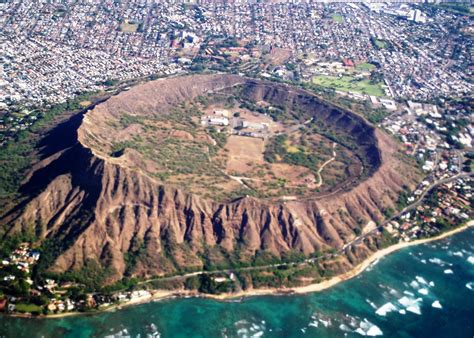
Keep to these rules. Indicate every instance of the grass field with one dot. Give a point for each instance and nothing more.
(338, 18)
(380, 43)
(365, 66)
(349, 84)
(27, 308)
(128, 27)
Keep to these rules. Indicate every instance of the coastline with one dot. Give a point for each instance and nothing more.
(358, 269)
(158, 295)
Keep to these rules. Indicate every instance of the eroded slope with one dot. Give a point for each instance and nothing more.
(108, 209)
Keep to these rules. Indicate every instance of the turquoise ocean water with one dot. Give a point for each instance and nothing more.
(422, 291)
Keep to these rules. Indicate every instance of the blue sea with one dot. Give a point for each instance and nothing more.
(421, 291)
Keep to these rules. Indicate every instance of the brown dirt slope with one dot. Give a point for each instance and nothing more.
(102, 208)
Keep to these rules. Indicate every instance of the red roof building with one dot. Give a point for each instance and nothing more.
(348, 63)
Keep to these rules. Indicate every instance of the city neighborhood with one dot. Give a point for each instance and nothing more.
(407, 69)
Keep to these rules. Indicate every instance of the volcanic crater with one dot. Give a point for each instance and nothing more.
(226, 137)
(182, 171)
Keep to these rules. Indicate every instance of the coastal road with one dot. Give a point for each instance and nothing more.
(409, 207)
(425, 192)
(356, 240)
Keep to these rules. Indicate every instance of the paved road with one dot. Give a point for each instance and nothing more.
(412, 206)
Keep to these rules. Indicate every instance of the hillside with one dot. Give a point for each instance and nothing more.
(99, 205)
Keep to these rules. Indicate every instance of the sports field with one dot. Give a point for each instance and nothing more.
(349, 84)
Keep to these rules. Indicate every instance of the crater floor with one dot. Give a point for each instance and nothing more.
(228, 137)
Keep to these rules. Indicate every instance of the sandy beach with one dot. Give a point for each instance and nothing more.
(376, 256)
(156, 295)
(162, 294)
(345, 276)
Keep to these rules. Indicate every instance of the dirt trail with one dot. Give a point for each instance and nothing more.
(320, 177)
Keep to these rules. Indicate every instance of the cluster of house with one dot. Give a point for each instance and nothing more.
(38, 71)
(53, 50)
(449, 205)
(411, 55)
(23, 258)
(397, 9)
(59, 305)
(432, 136)
(98, 300)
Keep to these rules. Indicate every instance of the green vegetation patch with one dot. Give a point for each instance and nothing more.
(379, 44)
(280, 149)
(28, 308)
(350, 84)
(174, 155)
(17, 155)
(338, 18)
(365, 66)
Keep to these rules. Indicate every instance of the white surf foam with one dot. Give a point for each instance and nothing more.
(370, 267)
(386, 308)
(423, 291)
(470, 259)
(374, 331)
(371, 304)
(414, 309)
(326, 323)
(248, 329)
(436, 304)
(421, 280)
(367, 328)
(448, 271)
(243, 332)
(121, 334)
(411, 304)
(437, 261)
(393, 292)
(345, 328)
